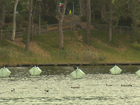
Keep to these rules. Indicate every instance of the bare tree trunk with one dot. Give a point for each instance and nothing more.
(2, 12)
(61, 16)
(82, 7)
(110, 22)
(60, 34)
(32, 22)
(88, 22)
(29, 26)
(14, 21)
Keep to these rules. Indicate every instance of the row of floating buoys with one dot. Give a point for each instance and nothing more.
(117, 70)
(34, 71)
(76, 74)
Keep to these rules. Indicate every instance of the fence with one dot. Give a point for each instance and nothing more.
(116, 29)
(65, 26)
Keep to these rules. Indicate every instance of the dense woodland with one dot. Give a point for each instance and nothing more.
(112, 12)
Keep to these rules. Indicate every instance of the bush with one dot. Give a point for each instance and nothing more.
(25, 16)
(50, 19)
(36, 19)
(136, 45)
(125, 21)
(19, 19)
(83, 18)
(8, 18)
(24, 24)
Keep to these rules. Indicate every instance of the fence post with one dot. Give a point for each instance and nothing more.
(1, 33)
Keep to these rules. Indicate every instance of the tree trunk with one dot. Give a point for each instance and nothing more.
(88, 22)
(29, 26)
(2, 12)
(110, 22)
(32, 22)
(14, 21)
(61, 16)
(60, 34)
(82, 7)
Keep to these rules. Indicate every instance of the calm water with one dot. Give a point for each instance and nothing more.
(56, 87)
(57, 70)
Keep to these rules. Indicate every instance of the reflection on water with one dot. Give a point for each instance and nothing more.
(54, 87)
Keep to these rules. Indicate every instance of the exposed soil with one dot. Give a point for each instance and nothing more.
(33, 47)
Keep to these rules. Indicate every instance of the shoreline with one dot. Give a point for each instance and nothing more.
(70, 64)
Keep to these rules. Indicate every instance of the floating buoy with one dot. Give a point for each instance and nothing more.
(78, 73)
(35, 71)
(5, 72)
(115, 70)
(138, 73)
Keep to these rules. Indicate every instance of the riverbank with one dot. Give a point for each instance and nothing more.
(44, 49)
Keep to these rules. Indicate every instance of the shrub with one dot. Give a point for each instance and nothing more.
(24, 24)
(83, 18)
(8, 18)
(19, 19)
(136, 45)
(50, 19)
(36, 19)
(126, 21)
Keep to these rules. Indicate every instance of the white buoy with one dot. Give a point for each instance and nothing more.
(115, 70)
(77, 74)
(138, 73)
(5, 72)
(35, 71)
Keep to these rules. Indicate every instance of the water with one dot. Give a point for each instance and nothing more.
(56, 87)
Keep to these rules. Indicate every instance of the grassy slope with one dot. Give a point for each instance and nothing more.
(75, 49)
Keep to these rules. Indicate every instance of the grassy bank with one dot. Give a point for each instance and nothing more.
(121, 49)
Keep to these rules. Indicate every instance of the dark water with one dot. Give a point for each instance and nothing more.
(57, 70)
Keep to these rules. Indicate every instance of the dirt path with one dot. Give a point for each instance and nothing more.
(33, 47)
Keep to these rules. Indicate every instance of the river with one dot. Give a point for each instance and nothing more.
(56, 87)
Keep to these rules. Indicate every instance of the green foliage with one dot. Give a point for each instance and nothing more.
(136, 45)
(8, 18)
(24, 24)
(125, 21)
(83, 18)
(25, 16)
(19, 19)
(36, 19)
(50, 19)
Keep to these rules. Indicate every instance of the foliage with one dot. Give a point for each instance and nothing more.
(8, 18)
(24, 24)
(83, 18)
(19, 19)
(125, 21)
(136, 45)
(50, 19)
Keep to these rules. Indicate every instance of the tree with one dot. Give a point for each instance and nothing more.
(29, 27)
(82, 4)
(2, 12)
(110, 12)
(134, 13)
(14, 20)
(88, 10)
(61, 16)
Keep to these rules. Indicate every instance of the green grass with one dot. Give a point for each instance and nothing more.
(121, 49)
